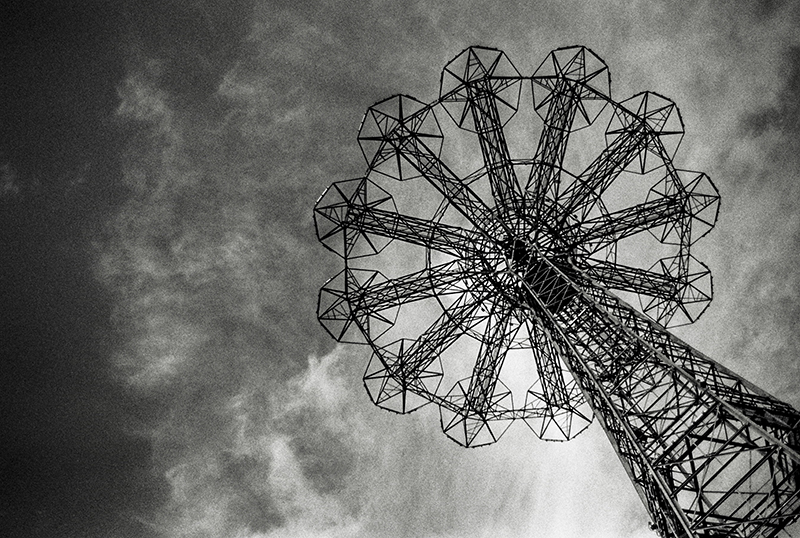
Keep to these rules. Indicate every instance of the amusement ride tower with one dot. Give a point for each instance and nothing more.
(500, 288)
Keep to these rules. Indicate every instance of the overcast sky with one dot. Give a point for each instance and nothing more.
(164, 374)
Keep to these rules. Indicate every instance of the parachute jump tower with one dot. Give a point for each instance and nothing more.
(500, 288)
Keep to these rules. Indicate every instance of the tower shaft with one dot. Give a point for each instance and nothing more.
(709, 453)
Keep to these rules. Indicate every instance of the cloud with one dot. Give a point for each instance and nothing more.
(209, 263)
(280, 464)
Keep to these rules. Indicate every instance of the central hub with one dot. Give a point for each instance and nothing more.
(535, 276)
(523, 262)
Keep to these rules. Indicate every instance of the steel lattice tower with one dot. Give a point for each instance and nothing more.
(499, 266)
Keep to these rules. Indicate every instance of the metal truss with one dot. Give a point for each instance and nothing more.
(526, 266)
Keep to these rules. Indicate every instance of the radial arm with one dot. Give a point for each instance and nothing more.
(502, 179)
(403, 374)
(548, 364)
(494, 347)
(426, 283)
(543, 182)
(580, 196)
(411, 148)
(629, 221)
(370, 221)
(442, 333)
(633, 279)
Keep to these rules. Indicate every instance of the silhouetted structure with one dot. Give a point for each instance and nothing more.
(518, 257)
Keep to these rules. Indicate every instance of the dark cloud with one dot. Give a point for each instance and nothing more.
(782, 116)
(66, 462)
(245, 475)
(326, 459)
(210, 261)
(193, 44)
(767, 8)
(68, 465)
(61, 64)
(759, 233)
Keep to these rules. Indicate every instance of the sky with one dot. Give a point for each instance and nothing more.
(164, 374)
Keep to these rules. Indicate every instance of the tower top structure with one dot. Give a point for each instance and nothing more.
(501, 257)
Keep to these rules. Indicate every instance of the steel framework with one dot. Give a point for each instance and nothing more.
(499, 265)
